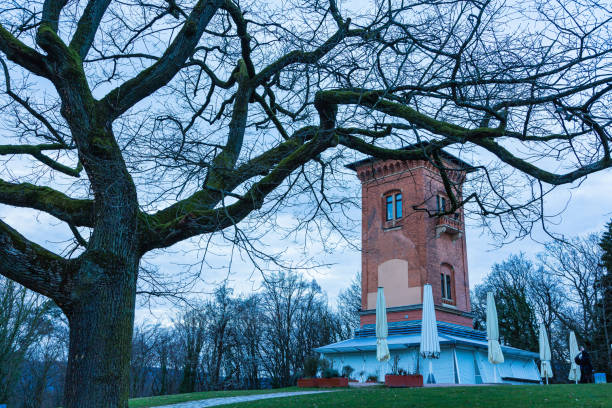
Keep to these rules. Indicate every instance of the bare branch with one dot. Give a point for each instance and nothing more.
(36, 151)
(163, 70)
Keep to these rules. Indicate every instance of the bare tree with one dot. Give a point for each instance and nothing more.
(576, 265)
(220, 314)
(349, 306)
(41, 382)
(249, 331)
(297, 319)
(169, 361)
(183, 118)
(191, 329)
(143, 360)
(22, 325)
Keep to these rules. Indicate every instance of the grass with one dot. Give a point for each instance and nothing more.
(195, 396)
(511, 396)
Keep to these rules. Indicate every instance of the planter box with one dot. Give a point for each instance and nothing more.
(323, 382)
(307, 382)
(332, 382)
(404, 380)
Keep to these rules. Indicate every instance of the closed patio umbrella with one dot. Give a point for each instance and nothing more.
(430, 344)
(545, 368)
(382, 349)
(574, 373)
(495, 352)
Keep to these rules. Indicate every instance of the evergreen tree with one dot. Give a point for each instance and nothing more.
(604, 334)
(509, 283)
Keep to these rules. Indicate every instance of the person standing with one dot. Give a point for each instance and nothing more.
(586, 369)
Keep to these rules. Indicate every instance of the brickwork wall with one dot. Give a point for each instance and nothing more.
(416, 315)
(412, 238)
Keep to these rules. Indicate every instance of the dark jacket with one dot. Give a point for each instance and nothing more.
(584, 361)
(586, 369)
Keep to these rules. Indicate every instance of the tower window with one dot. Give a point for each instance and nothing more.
(398, 205)
(393, 206)
(446, 283)
(441, 201)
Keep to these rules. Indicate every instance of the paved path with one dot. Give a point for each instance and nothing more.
(213, 402)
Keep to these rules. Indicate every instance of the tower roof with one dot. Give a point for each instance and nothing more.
(422, 145)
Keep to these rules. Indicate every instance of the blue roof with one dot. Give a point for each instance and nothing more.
(403, 335)
(414, 327)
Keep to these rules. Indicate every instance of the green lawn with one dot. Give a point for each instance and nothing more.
(512, 396)
(176, 398)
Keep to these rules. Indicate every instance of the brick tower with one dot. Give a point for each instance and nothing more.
(404, 248)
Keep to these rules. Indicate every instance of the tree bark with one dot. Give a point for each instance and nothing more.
(103, 293)
(101, 328)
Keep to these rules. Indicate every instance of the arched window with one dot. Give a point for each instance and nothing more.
(393, 206)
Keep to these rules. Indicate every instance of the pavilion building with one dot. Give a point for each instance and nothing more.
(403, 248)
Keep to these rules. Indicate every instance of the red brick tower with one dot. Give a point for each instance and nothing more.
(403, 248)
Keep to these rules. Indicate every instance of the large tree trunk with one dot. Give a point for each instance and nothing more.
(101, 328)
(101, 310)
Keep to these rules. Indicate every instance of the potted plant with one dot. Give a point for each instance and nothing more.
(331, 379)
(372, 378)
(347, 370)
(311, 366)
(402, 378)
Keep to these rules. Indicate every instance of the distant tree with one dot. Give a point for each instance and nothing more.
(42, 378)
(509, 281)
(143, 361)
(548, 298)
(23, 324)
(349, 306)
(169, 359)
(297, 319)
(220, 315)
(248, 330)
(604, 304)
(191, 331)
(576, 265)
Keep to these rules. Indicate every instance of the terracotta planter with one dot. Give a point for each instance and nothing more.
(404, 380)
(307, 382)
(332, 382)
(322, 382)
